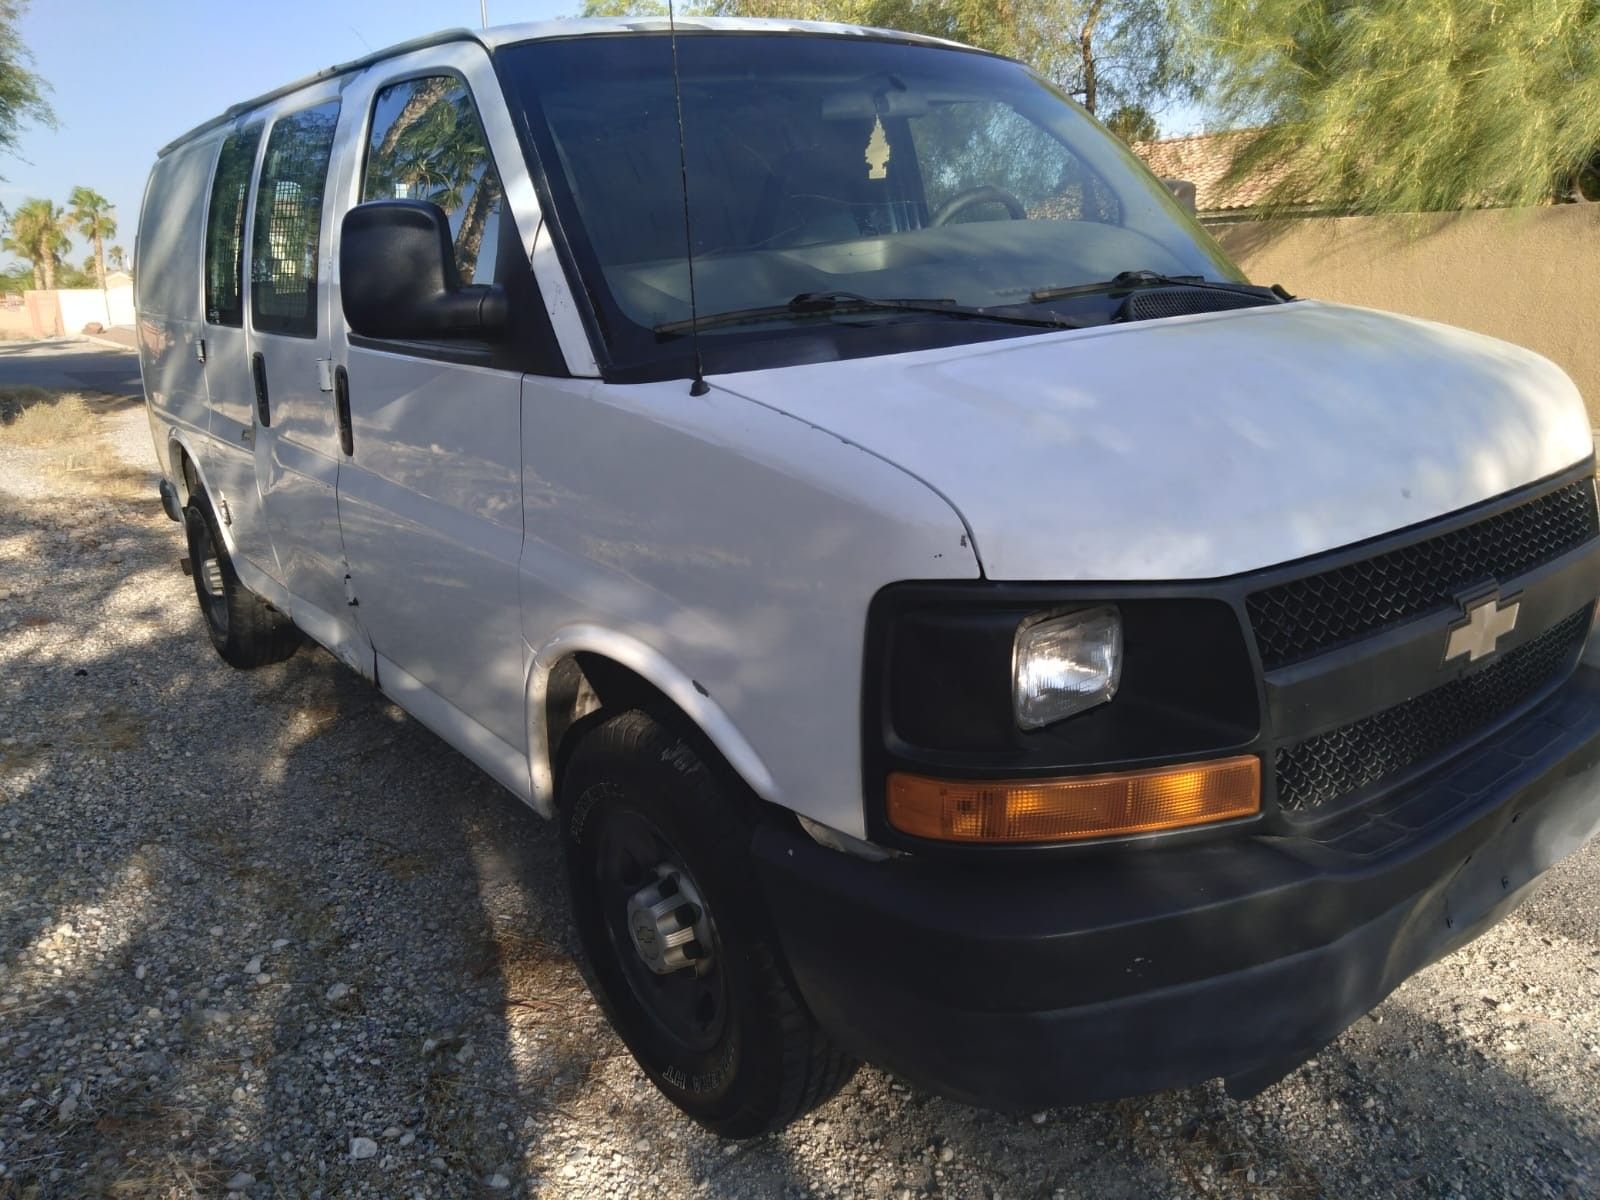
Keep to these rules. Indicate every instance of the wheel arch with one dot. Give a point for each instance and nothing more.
(183, 465)
(186, 470)
(187, 473)
(589, 669)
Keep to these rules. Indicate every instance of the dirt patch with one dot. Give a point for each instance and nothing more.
(114, 729)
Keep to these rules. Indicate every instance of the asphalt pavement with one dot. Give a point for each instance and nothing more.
(71, 364)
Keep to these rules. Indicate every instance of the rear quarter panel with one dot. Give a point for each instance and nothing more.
(167, 297)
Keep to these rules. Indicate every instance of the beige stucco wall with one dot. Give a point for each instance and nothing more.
(16, 322)
(1530, 276)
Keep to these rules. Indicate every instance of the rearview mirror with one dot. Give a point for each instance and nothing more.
(863, 105)
(398, 278)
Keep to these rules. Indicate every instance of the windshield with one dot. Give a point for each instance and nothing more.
(832, 165)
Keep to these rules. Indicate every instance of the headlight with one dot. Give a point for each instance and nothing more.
(1065, 663)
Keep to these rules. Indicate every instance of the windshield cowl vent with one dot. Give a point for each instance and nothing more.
(1151, 304)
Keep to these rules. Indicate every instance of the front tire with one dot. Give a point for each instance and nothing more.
(679, 948)
(246, 630)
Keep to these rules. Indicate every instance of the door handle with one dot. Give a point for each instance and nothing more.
(258, 372)
(341, 405)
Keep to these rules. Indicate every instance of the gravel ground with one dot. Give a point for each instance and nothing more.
(262, 933)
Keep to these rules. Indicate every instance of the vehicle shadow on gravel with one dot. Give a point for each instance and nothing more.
(251, 919)
(263, 924)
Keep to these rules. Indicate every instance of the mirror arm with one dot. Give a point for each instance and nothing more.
(494, 309)
(473, 311)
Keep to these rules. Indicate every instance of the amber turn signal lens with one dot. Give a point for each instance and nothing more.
(1087, 806)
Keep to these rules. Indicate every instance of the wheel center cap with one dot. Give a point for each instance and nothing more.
(669, 925)
(212, 574)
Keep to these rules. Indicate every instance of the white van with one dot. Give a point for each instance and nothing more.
(957, 622)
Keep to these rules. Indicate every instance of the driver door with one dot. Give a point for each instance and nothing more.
(430, 493)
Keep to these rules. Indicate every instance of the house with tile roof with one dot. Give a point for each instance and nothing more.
(1205, 160)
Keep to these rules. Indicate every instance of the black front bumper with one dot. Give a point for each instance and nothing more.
(1027, 986)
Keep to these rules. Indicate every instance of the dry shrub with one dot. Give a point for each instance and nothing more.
(37, 417)
(45, 420)
(65, 427)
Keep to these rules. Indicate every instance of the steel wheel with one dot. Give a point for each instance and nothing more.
(678, 945)
(661, 931)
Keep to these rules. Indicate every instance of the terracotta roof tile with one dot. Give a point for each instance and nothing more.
(1204, 160)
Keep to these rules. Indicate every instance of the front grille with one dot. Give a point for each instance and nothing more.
(1330, 766)
(1305, 617)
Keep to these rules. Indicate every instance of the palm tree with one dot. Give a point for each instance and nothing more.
(117, 258)
(15, 242)
(440, 155)
(38, 233)
(91, 213)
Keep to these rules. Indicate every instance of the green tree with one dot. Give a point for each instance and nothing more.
(69, 276)
(90, 213)
(1133, 123)
(1107, 52)
(37, 232)
(1411, 105)
(117, 258)
(15, 281)
(22, 93)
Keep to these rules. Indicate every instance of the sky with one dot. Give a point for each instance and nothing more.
(128, 76)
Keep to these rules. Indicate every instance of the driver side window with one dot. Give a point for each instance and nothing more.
(428, 144)
(966, 145)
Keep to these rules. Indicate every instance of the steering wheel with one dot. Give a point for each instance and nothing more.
(984, 193)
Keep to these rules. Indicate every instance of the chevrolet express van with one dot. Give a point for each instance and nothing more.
(956, 621)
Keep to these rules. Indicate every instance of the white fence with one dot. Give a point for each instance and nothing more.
(83, 306)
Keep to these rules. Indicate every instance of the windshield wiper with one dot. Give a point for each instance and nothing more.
(815, 304)
(1128, 280)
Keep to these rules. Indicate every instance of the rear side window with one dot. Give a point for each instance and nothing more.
(428, 144)
(288, 222)
(230, 188)
(167, 278)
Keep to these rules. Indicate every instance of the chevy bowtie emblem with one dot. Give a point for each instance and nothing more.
(1480, 631)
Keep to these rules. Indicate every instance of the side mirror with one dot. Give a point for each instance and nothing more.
(398, 279)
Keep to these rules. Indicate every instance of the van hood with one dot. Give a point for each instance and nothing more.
(1198, 447)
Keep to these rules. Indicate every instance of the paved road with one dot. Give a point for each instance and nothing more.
(70, 364)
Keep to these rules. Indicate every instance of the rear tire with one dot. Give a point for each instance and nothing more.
(726, 1037)
(246, 630)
